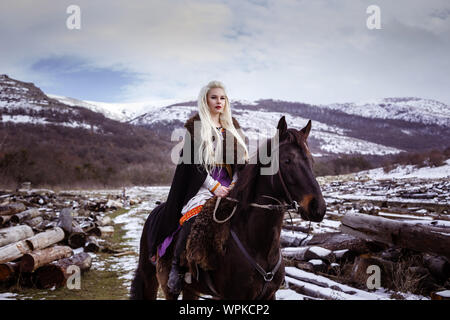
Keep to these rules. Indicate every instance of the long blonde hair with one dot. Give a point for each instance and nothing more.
(207, 156)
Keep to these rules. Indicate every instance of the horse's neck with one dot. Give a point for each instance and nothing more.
(261, 229)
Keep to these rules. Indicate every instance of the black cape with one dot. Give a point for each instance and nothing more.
(187, 180)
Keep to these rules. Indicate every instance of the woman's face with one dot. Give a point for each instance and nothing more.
(216, 100)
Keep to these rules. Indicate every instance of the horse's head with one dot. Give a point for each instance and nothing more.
(295, 166)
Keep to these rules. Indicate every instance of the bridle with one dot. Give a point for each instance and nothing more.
(292, 205)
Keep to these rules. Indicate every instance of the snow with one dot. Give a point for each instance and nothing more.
(445, 293)
(409, 109)
(44, 121)
(8, 296)
(410, 171)
(118, 111)
(321, 252)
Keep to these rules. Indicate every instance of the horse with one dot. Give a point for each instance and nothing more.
(252, 267)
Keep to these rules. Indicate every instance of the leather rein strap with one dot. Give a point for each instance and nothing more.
(268, 276)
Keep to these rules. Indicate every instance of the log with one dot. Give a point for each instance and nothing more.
(438, 266)
(12, 208)
(35, 222)
(315, 252)
(441, 295)
(296, 228)
(14, 251)
(309, 253)
(105, 221)
(8, 271)
(107, 231)
(45, 239)
(77, 238)
(14, 234)
(57, 273)
(4, 219)
(294, 253)
(92, 245)
(33, 260)
(339, 241)
(288, 240)
(25, 215)
(65, 220)
(418, 237)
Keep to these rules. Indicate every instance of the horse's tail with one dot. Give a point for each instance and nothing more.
(145, 284)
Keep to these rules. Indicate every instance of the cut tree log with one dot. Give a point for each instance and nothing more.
(92, 245)
(4, 219)
(339, 241)
(309, 253)
(57, 273)
(103, 232)
(8, 271)
(45, 239)
(414, 236)
(33, 260)
(35, 222)
(14, 251)
(77, 238)
(105, 221)
(14, 234)
(12, 208)
(25, 215)
(65, 220)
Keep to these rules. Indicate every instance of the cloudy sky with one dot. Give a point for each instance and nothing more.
(314, 51)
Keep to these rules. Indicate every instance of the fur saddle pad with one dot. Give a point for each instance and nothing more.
(207, 240)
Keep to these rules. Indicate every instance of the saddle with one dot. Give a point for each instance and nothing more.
(208, 239)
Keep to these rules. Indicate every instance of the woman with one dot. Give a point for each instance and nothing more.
(212, 152)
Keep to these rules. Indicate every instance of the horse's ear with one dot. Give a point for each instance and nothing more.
(282, 127)
(306, 130)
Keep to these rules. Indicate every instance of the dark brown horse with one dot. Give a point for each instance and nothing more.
(256, 224)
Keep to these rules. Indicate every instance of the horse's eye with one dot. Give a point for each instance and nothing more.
(287, 161)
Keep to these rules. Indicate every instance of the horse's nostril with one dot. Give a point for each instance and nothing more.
(313, 205)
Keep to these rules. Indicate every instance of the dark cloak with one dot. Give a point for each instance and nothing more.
(163, 221)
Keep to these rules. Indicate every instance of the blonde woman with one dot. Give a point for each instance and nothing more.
(213, 151)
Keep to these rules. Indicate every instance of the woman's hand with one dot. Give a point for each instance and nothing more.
(222, 191)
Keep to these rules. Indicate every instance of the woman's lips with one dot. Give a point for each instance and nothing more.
(218, 107)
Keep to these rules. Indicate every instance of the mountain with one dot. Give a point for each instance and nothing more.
(334, 131)
(123, 112)
(51, 143)
(131, 142)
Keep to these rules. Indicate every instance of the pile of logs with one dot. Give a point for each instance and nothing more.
(44, 240)
(411, 256)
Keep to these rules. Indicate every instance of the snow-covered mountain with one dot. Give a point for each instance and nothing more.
(410, 109)
(123, 112)
(383, 127)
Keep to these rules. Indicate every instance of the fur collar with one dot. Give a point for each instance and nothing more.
(189, 125)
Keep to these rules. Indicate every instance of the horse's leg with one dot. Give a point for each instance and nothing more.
(189, 294)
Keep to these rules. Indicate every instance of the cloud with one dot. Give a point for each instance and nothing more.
(313, 51)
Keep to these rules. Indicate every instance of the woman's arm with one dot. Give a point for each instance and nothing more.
(233, 181)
